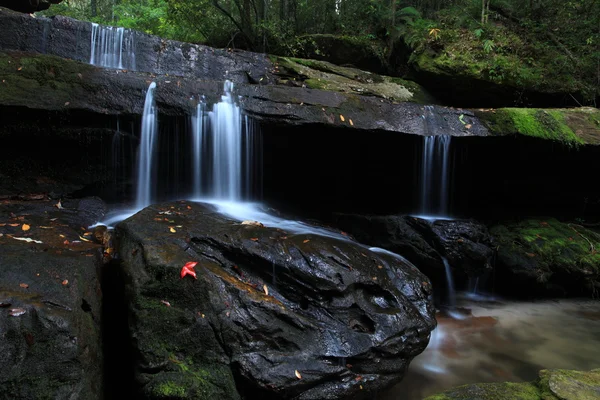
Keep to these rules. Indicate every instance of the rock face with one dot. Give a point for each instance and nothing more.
(543, 256)
(554, 384)
(50, 342)
(466, 244)
(273, 314)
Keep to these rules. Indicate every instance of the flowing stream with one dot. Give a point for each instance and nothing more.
(503, 341)
(112, 47)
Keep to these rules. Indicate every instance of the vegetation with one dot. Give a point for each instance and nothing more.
(543, 45)
(570, 126)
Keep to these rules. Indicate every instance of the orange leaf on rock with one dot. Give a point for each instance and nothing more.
(25, 227)
(172, 230)
(24, 285)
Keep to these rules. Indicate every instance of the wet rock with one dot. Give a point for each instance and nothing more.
(466, 244)
(546, 257)
(397, 233)
(50, 295)
(272, 314)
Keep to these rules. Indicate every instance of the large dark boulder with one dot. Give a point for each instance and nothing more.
(272, 314)
(50, 339)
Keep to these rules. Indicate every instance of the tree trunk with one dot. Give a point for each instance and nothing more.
(94, 7)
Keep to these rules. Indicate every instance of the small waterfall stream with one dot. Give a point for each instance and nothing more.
(146, 150)
(435, 176)
(112, 47)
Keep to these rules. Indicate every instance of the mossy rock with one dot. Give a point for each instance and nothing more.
(575, 126)
(491, 391)
(570, 385)
(343, 50)
(543, 256)
(323, 75)
(554, 384)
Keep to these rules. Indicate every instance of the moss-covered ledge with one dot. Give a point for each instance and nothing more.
(572, 126)
(323, 75)
(553, 384)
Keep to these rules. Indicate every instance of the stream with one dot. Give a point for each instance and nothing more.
(503, 341)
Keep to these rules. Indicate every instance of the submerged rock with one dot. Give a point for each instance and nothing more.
(554, 384)
(542, 256)
(50, 342)
(271, 314)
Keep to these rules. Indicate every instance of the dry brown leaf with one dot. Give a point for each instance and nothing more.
(20, 68)
(298, 374)
(351, 123)
(306, 241)
(172, 230)
(13, 224)
(254, 239)
(25, 227)
(342, 118)
(65, 282)
(380, 266)
(58, 205)
(24, 285)
(266, 289)
(468, 126)
(166, 303)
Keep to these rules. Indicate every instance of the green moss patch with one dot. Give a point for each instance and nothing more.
(323, 75)
(491, 391)
(550, 247)
(570, 126)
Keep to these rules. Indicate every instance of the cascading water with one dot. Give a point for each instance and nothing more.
(435, 175)
(450, 284)
(224, 150)
(112, 47)
(198, 123)
(146, 150)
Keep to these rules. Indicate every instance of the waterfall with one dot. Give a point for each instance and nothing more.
(198, 123)
(146, 150)
(112, 47)
(435, 175)
(224, 150)
(450, 284)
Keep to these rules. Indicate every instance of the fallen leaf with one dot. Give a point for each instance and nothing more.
(66, 242)
(20, 68)
(65, 282)
(84, 239)
(252, 223)
(227, 313)
(351, 123)
(298, 374)
(26, 227)
(188, 269)
(530, 255)
(254, 239)
(67, 103)
(306, 241)
(17, 312)
(380, 267)
(468, 126)
(166, 303)
(172, 230)
(374, 278)
(13, 224)
(342, 118)
(59, 206)
(24, 285)
(189, 208)
(266, 289)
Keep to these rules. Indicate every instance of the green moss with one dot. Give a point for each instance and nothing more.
(569, 126)
(169, 390)
(552, 245)
(491, 391)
